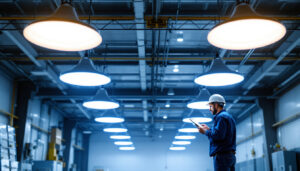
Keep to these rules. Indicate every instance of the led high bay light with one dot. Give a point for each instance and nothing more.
(63, 31)
(246, 30)
(219, 75)
(197, 116)
(110, 116)
(84, 74)
(201, 101)
(101, 101)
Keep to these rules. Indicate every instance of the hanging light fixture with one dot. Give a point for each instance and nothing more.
(185, 137)
(126, 148)
(168, 104)
(84, 74)
(110, 116)
(123, 143)
(201, 101)
(181, 142)
(246, 30)
(120, 137)
(115, 130)
(171, 92)
(188, 128)
(177, 148)
(180, 36)
(63, 31)
(101, 101)
(197, 116)
(219, 75)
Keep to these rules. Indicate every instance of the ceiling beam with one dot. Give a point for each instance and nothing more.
(285, 48)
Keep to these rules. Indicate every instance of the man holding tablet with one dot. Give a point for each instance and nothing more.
(222, 135)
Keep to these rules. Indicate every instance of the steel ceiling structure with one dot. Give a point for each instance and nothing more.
(139, 51)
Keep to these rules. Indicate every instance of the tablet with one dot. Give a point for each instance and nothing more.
(195, 123)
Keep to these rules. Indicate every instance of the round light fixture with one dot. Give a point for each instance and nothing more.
(84, 74)
(63, 31)
(177, 148)
(123, 143)
(201, 101)
(185, 137)
(219, 75)
(246, 30)
(109, 119)
(115, 130)
(109, 116)
(181, 142)
(191, 130)
(126, 148)
(197, 119)
(101, 101)
(120, 137)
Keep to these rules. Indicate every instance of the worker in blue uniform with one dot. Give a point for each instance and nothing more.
(222, 135)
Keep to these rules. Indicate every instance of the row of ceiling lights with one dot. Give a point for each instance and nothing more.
(64, 31)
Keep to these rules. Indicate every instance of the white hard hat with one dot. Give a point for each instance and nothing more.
(216, 98)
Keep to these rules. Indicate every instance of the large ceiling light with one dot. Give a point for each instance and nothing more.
(101, 101)
(185, 137)
(115, 130)
(246, 30)
(126, 148)
(63, 31)
(181, 142)
(177, 148)
(109, 116)
(84, 74)
(123, 143)
(201, 101)
(197, 116)
(219, 75)
(120, 137)
(188, 128)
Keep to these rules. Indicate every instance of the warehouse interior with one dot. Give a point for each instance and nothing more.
(149, 54)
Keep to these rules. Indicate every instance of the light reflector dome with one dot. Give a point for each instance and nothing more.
(123, 143)
(126, 148)
(120, 137)
(197, 119)
(84, 74)
(219, 75)
(201, 101)
(109, 119)
(101, 101)
(192, 130)
(181, 142)
(185, 137)
(115, 130)
(109, 116)
(246, 30)
(177, 148)
(63, 31)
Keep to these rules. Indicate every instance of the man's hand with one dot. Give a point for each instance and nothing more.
(203, 129)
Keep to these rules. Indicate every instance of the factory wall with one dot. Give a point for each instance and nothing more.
(250, 137)
(44, 117)
(288, 105)
(148, 155)
(6, 87)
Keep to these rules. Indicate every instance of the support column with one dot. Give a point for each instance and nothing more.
(270, 138)
(68, 134)
(22, 108)
(86, 145)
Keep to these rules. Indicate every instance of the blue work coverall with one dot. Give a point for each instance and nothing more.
(222, 138)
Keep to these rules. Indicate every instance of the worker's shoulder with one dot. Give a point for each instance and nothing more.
(225, 115)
